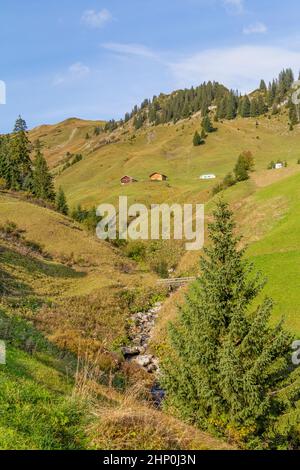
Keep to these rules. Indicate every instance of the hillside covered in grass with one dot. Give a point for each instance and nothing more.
(67, 298)
(63, 315)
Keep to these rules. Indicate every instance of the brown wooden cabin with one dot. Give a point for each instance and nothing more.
(158, 177)
(128, 180)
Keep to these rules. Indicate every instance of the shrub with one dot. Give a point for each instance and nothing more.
(161, 268)
(136, 250)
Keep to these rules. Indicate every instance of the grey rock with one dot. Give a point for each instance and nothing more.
(143, 361)
(127, 352)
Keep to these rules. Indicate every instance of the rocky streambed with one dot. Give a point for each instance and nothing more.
(140, 331)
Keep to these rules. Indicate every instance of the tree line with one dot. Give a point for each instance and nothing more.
(228, 104)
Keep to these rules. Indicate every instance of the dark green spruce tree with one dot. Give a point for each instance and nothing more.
(8, 171)
(227, 369)
(231, 106)
(20, 157)
(61, 202)
(207, 125)
(263, 86)
(245, 108)
(293, 115)
(197, 140)
(254, 108)
(261, 106)
(222, 108)
(42, 180)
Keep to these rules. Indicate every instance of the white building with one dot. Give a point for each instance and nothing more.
(208, 177)
(278, 166)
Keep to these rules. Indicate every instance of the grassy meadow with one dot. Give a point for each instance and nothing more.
(68, 295)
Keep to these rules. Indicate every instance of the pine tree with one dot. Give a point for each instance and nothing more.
(222, 108)
(254, 108)
(231, 108)
(61, 202)
(241, 169)
(20, 156)
(263, 86)
(20, 125)
(226, 365)
(261, 106)
(197, 140)
(207, 125)
(42, 186)
(204, 108)
(245, 109)
(8, 171)
(293, 115)
(186, 110)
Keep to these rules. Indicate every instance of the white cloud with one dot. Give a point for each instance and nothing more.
(130, 49)
(95, 19)
(238, 67)
(256, 28)
(76, 71)
(236, 5)
(79, 70)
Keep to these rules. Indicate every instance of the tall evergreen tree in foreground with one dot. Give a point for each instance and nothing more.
(42, 186)
(228, 370)
(61, 202)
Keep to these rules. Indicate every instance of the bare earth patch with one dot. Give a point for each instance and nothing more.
(267, 177)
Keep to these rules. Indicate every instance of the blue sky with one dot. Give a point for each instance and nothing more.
(96, 59)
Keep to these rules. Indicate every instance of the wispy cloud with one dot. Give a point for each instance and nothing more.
(235, 5)
(76, 71)
(94, 19)
(237, 67)
(130, 49)
(256, 28)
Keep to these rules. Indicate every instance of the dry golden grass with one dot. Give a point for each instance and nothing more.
(267, 177)
(132, 425)
(95, 264)
(66, 136)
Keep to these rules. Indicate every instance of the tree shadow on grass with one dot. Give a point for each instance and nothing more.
(11, 286)
(31, 345)
(37, 266)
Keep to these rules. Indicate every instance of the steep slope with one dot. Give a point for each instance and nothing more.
(67, 136)
(72, 269)
(63, 316)
(260, 204)
(169, 149)
(268, 219)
